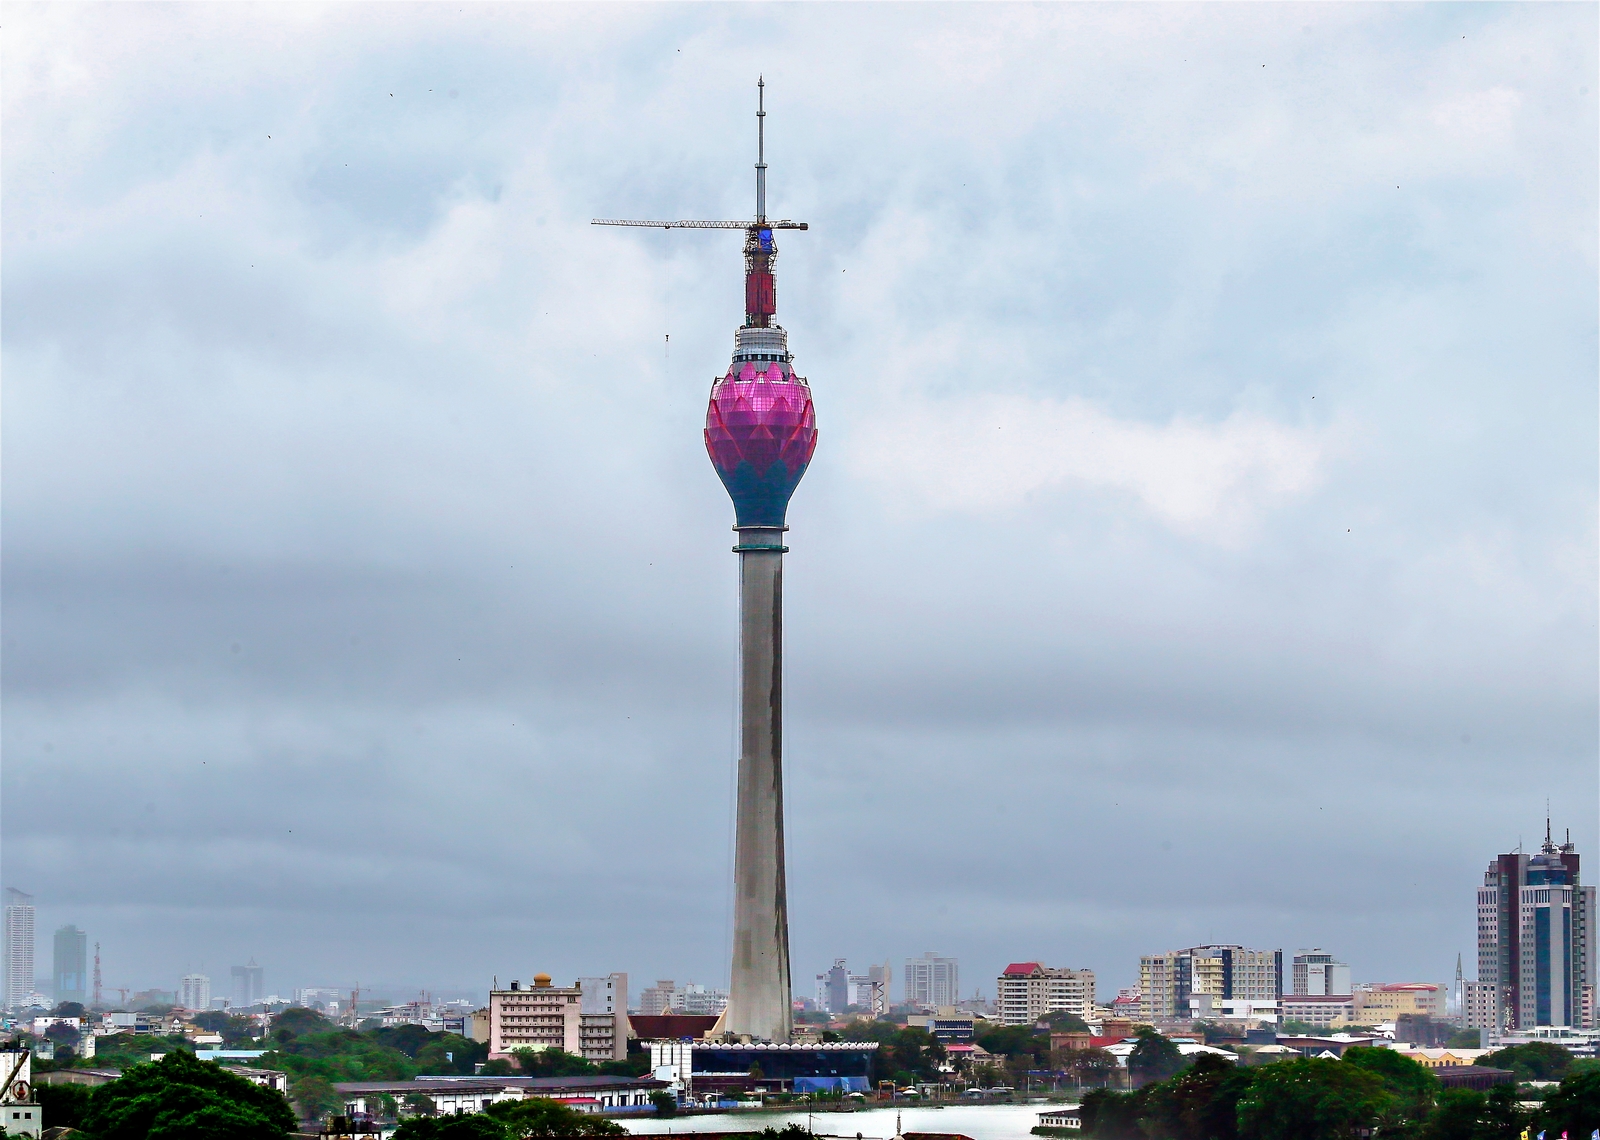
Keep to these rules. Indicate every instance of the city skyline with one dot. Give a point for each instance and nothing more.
(1209, 483)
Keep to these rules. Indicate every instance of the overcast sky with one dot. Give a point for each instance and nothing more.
(1200, 544)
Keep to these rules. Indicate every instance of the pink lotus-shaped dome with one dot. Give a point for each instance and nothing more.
(761, 430)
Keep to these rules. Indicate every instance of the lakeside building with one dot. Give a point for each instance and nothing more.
(696, 1069)
(1027, 991)
(1234, 973)
(450, 1095)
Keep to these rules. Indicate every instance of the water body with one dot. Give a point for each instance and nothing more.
(980, 1121)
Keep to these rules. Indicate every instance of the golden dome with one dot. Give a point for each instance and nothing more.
(542, 981)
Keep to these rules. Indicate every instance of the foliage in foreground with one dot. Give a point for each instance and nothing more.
(183, 1098)
(1375, 1093)
(510, 1120)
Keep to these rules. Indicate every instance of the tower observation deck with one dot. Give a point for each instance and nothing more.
(761, 430)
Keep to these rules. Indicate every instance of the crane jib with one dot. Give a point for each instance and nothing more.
(687, 225)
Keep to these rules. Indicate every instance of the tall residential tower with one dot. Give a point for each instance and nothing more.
(18, 947)
(760, 431)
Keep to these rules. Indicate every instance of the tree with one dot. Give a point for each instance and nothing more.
(666, 1104)
(1154, 1057)
(234, 1029)
(1468, 1114)
(1312, 1099)
(1016, 1041)
(1086, 1066)
(69, 1009)
(499, 1067)
(1574, 1107)
(1413, 1086)
(64, 1035)
(1109, 1115)
(1063, 1022)
(63, 1106)
(182, 1098)
(1465, 1039)
(461, 1126)
(297, 1021)
(1200, 1103)
(904, 1053)
(1535, 1061)
(540, 1116)
(316, 1097)
(552, 1063)
(420, 1104)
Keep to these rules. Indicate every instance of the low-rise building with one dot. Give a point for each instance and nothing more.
(698, 1068)
(450, 1095)
(1443, 1058)
(1027, 991)
(1378, 1002)
(541, 1016)
(1320, 1011)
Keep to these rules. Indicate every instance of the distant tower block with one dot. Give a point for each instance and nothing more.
(761, 430)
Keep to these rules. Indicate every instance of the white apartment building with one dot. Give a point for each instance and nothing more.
(1316, 974)
(543, 1016)
(1167, 981)
(1027, 991)
(931, 981)
(19, 982)
(194, 992)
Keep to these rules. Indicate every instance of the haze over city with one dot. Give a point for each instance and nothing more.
(1200, 545)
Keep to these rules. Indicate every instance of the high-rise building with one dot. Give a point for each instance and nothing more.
(761, 430)
(932, 981)
(18, 947)
(194, 992)
(836, 987)
(70, 966)
(1028, 991)
(1480, 1005)
(1314, 973)
(249, 984)
(1167, 982)
(1536, 936)
(869, 992)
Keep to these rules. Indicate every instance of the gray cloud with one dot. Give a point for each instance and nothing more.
(368, 606)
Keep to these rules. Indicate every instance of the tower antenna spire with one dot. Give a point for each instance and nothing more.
(761, 149)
